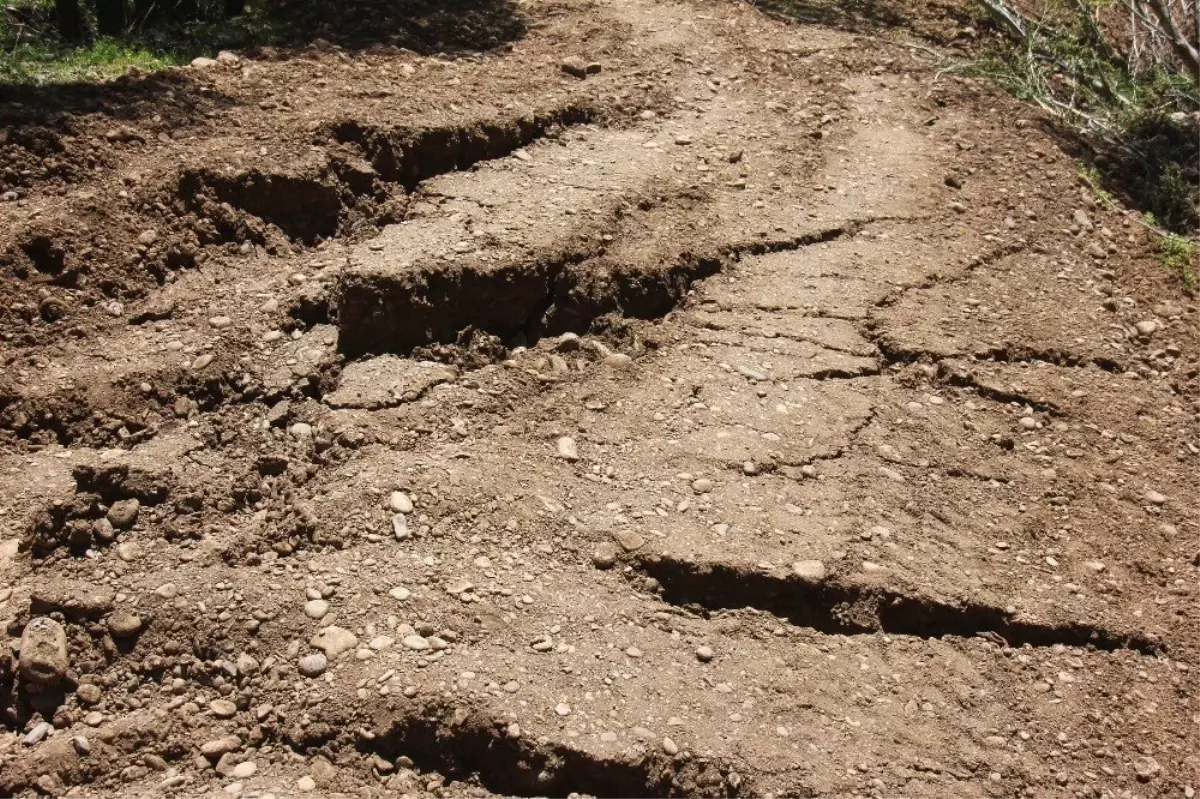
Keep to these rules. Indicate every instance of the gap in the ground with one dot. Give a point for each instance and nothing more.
(833, 607)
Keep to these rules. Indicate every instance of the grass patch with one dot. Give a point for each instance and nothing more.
(41, 63)
(1179, 254)
(1132, 113)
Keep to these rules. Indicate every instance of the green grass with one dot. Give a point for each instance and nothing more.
(40, 63)
(1178, 253)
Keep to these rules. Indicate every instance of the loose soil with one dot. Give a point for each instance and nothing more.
(673, 400)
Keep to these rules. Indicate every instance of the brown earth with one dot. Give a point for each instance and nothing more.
(671, 401)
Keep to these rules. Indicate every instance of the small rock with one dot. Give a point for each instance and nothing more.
(400, 527)
(313, 665)
(88, 693)
(247, 664)
(400, 593)
(704, 653)
(82, 746)
(220, 322)
(43, 652)
(562, 709)
(399, 502)
(1146, 768)
(301, 431)
(629, 540)
(245, 770)
(575, 67)
(567, 449)
(202, 361)
(306, 784)
(39, 731)
(812, 571)
(123, 513)
(669, 747)
(1146, 327)
(1155, 498)
(204, 63)
(702, 486)
(417, 643)
(147, 237)
(223, 708)
(124, 624)
(220, 746)
(333, 641)
(316, 608)
(604, 556)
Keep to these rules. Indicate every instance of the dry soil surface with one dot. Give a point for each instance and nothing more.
(672, 401)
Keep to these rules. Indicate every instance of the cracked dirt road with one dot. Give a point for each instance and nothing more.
(754, 416)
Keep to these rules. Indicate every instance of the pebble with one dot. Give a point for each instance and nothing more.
(669, 747)
(124, 624)
(219, 322)
(704, 653)
(83, 747)
(313, 665)
(1028, 422)
(604, 556)
(88, 693)
(245, 770)
(575, 67)
(400, 527)
(247, 664)
(400, 502)
(702, 485)
(567, 449)
(316, 608)
(334, 640)
(417, 643)
(1156, 498)
(40, 731)
(562, 709)
(629, 540)
(202, 361)
(400, 593)
(301, 431)
(43, 652)
(123, 514)
(306, 784)
(220, 746)
(618, 360)
(810, 570)
(223, 708)
(1146, 327)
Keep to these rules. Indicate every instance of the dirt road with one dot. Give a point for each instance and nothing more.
(670, 401)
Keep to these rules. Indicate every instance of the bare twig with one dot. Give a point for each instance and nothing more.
(1186, 51)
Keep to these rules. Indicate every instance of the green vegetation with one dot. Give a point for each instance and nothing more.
(1179, 254)
(1121, 75)
(35, 63)
(111, 36)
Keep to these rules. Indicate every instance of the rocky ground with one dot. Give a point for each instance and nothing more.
(668, 401)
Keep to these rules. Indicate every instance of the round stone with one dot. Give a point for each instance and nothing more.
(810, 570)
(245, 770)
(313, 665)
(400, 502)
(222, 708)
(702, 486)
(316, 608)
(704, 653)
(124, 624)
(124, 513)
